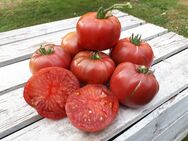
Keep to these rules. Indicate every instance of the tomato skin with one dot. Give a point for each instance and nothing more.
(92, 108)
(70, 43)
(125, 51)
(59, 58)
(98, 34)
(92, 71)
(48, 89)
(132, 88)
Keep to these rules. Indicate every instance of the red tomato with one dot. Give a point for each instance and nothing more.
(98, 30)
(92, 67)
(70, 43)
(92, 108)
(48, 89)
(132, 50)
(133, 85)
(48, 56)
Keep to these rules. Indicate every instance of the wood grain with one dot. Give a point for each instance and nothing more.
(176, 131)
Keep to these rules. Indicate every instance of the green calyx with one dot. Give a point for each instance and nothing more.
(136, 40)
(95, 55)
(105, 13)
(46, 49)
(143, 69)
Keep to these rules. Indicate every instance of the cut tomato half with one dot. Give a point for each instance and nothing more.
(92, 108)
(47, 91)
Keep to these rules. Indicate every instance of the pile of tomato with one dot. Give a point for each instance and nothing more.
(78, 80)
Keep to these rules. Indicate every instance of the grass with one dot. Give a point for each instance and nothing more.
(171, 14)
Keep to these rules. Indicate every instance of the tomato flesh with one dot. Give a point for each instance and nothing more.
(92, 108)
(48, 90)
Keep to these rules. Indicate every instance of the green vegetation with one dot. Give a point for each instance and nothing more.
(171, 14)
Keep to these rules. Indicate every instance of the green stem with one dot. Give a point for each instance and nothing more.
(102, 13)
(46, 49)
(136, 40)
(95, 55)
(143, 69)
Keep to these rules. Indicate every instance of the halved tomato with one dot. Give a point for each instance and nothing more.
(48, 89)
(92, 108)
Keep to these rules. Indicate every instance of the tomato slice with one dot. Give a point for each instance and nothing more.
(47, 91)
(92, 108)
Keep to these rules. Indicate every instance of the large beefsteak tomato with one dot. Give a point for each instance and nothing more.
(92, 67)
(132, 50)
(98, 30)
(133, 85)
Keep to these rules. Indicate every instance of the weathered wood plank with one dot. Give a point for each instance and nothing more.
(22, 66)
(176, 131)
(18, 51)
(13, 106)
(181, 135)
(42, 29)
(166, 72)
(14, 75)
(167, 45)
(145, 30)
(155, 124)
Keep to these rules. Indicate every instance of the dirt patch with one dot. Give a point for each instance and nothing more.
(184, 2)
(9, 4)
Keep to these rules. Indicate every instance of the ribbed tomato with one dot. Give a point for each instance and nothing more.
(98, 30)
(133, 85)
(92, 67)
(49, 55)
(132, 50)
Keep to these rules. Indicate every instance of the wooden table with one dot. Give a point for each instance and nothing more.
(163, 119)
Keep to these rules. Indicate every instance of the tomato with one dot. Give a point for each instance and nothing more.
(132, 50)
(92, 108)
(49, 55)
(134, 85)
(70, 43)
(98, 30)
(47, 91)
(92, 67)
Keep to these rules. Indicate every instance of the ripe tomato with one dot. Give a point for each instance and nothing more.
(133, 85)
(92, 67)
(48, 89)
(70, 43)
(49, 55)
(98, 30)
(132, 50)
(92, 108)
